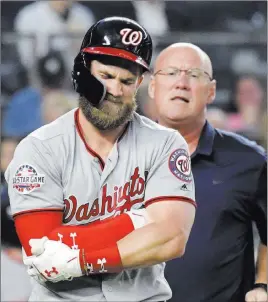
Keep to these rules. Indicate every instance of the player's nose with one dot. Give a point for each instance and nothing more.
(115, 88)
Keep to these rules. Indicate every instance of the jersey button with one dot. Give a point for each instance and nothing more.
(96, 160)
(110, 289)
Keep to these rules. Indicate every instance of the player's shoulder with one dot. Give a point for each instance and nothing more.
(51, 134)
(60, 127)
(151, 133)
(239, 146)
(147, 127)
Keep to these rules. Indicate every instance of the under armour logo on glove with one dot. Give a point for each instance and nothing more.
(63, 261)
(54, 270)
(131, 37)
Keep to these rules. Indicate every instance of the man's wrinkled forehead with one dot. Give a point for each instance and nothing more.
(185, 56)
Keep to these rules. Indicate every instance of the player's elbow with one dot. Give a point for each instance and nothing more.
(173, 248)
(177, 246)
(174, 233)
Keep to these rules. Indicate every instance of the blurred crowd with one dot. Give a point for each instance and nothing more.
(41, 38)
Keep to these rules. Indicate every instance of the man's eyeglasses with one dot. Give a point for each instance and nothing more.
(173, 72)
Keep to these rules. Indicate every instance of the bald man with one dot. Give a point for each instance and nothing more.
(230, 175)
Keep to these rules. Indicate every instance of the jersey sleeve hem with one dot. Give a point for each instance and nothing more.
(38, 210)
(170, 198)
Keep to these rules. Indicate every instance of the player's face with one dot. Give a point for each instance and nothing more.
(181, 96)
(119, 103)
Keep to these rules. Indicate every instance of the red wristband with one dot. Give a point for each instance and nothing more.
(106, 260)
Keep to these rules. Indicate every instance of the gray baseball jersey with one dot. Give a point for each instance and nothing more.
(54, 168)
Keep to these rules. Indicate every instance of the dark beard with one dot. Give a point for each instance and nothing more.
(103, 117)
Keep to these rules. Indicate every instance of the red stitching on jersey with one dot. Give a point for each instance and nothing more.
(38, 210)
(80, 132)
(91, 151)
(123, 133)
(168, 198)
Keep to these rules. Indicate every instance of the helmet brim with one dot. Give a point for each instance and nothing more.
(116, 52)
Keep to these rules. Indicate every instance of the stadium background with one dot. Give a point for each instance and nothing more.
(37, 57)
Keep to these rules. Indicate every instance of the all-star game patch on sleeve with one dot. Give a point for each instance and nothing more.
(33, 180)
(170, 177)
(27, 179)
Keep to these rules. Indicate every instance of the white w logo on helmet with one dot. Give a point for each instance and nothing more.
(130, 36)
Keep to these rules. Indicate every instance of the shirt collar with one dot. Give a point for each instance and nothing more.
(206, 140)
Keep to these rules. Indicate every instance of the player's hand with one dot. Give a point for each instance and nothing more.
(52, 261)
(257, 295)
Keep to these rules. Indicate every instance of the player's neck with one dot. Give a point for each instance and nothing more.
(101, 142)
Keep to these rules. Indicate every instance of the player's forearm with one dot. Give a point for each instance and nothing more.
(262, 264)
(152, 244)
(162, 239)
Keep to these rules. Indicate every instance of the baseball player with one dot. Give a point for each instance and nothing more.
(102, 197)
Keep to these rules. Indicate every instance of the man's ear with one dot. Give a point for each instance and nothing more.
(151, 87)
(212, 92)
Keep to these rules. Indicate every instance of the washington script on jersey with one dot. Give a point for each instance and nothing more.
(26, 179)
(122, 199)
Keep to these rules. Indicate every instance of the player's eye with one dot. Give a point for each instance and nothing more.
(106, 76)
(127, 82)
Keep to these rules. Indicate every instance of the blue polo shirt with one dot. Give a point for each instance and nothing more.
(230, 174)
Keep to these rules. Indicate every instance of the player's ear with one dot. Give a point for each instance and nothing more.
(140, 79)
(151, 87)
